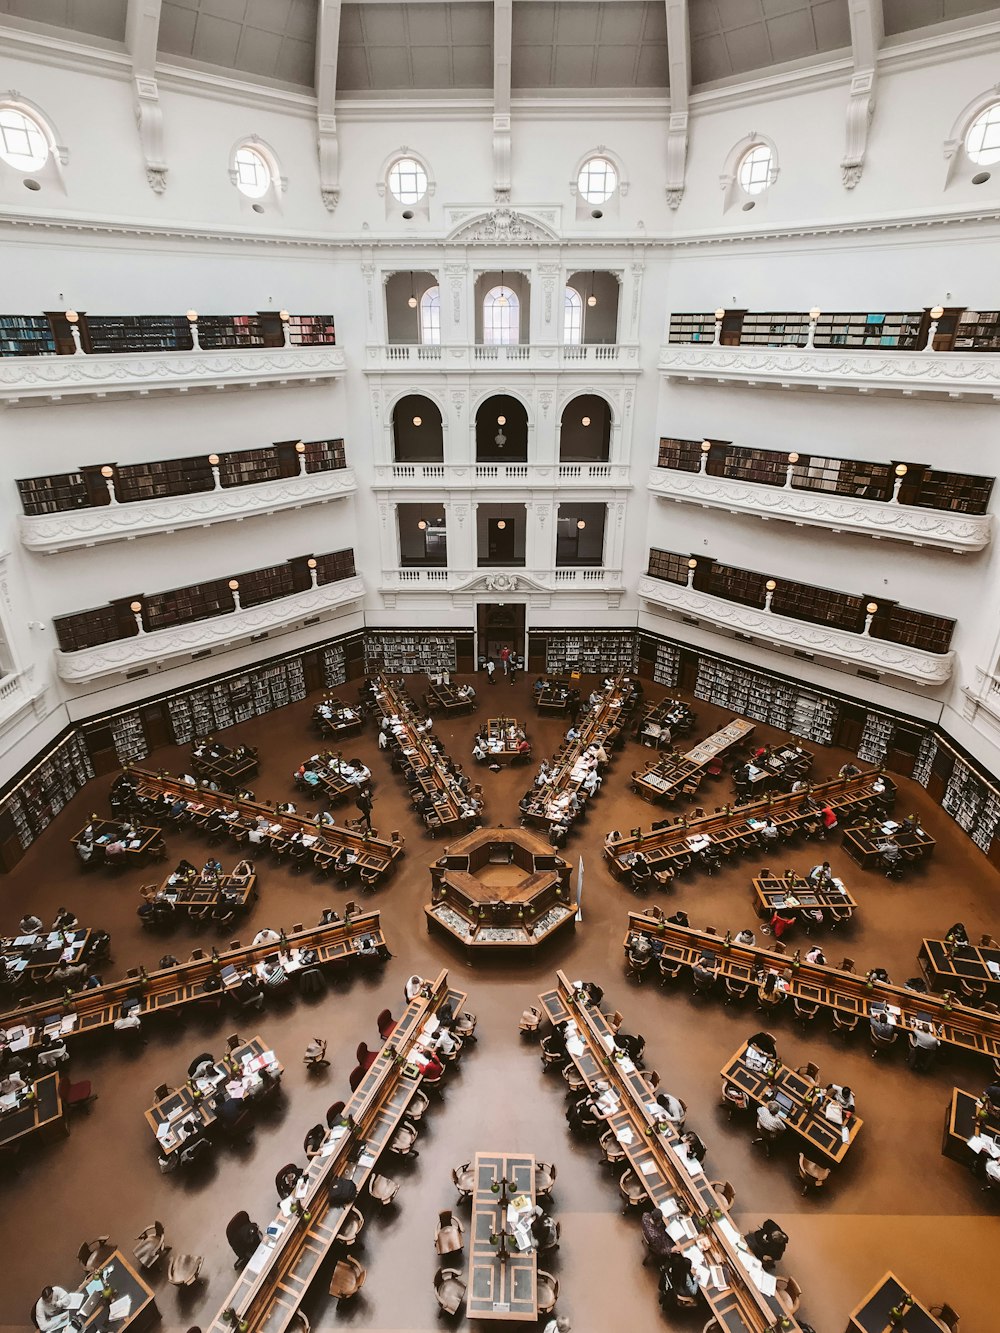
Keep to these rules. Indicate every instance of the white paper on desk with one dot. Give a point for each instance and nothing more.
(431, 1025)
(163, 1130)
(121, 1308)
(75, 1299)
(626, 1066)
(729, 1231)
(8, 1101)
(328, 1148)
(624, 1136)
(766, 1282)
(258, 1259)
(690, 1164)
(337, 1132)
(669, 1207)
(648, 1168)
(68, 1022)
(575, 1046)
(718, 1274)
(681, 1229)
(366, 1160)
(608, 1040)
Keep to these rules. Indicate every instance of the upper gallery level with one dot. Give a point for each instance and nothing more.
(104, 502)
(69, 354)
(897, 499)
(533, 316)
(945, 351)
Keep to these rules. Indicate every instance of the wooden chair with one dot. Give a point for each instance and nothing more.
(809, 1071)
(882, 1043)
(848, 965)
(464, 1180)
(184, 1270)
(530, 1021)
(465, 1026)
(348, 1278)
(947, 1315)
(94, 1254)
(547, 1292)
(351, 1227)
(812, 1175)
(448, 1233)
(575, 1081)
(844, 1023)
(418, 1105)
(449, 1289)
(612, 1152)
(632, 1191)
(403, 1140)
(383, 1189)
(235, 944)
(804, 1010)
(789, 1294)
(545, 1178)
(150, 1245)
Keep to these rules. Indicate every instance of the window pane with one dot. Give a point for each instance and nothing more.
(407, 180)
(501, 316)
(573, 317)
(253, 175)
(22, 142)
(430, 316)
(598, 180)
(754, 172)
(982, 143)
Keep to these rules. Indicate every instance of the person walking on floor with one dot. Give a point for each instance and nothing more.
(363, 801)
(491, 670)
(505, 658)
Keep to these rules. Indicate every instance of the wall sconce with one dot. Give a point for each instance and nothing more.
(814, 315)
(501, 421)
(418, 421)
(73, 320)
(792, 460)
(234, 588)
(284, 316)
(585, 421)
(422, 524)
(870, 610)
(692, 566)
(300, 449)
(213, 463)
(720, 315)
(581, 523)
(936, 314)
(706, 446)
(769, 588)
(311, 566)
(108, 474)
(136, 609)
(900, 471)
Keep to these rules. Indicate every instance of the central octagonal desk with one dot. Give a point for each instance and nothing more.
(501, 1287)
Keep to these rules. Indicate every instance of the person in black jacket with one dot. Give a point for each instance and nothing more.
(767, 1242)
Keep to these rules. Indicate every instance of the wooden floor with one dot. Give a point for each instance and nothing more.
(896, 1204)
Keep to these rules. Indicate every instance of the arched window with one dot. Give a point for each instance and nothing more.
(253, 172)
(572, 316)
(597, 180)
(501, 316)
(982, 140)
(407, 180)
(23, 143)
(430, 316)
(754, 172)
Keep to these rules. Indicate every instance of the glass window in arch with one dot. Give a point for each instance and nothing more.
(501, 316)
(430, 316)
(253, 175)
(572, 316)
(754, 171)
(22, 143)
(407, 180)
(982, 143)
(597, 180)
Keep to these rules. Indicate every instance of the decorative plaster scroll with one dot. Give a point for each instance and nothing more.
(149, 120)
(923, 527)
(856, 649)
(91, 527)
(161, 646)
(907, 372)
(66, 377)
(860, 109)
(500, 582)
(502, 226)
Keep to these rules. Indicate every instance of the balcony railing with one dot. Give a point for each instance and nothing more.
(442, 476)
(907, 502)
(165, 647)
(525, 356)
(536, 585)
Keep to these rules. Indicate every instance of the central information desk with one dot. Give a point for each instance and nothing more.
(851, 995)
(500, 888)
(662, 780)
(502, 1285)
(731, 831)
(171, 988)
(817, 1134)
(651, 1147)
(374, 858)
(278, 1275)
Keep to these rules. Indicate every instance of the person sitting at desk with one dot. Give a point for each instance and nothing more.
(816, 955)
(69, 974)
(678, 1286)
(768, 834)
(267, 936)
(746, 937)
(820, 875)
(704, 972)
(679, 918)
(842, 1095)
(880, 974)
(848, 770)
(479, 750)
(828, 819)
(186, 777)
(324, 819)
(582, 1117)
(50, 1309)
(770, 1122)
(881, 1024)
(572, 734)
(673, 1110)
(924, 1041)
(957, 934)
(693, 1146)
(543, 1229)
(639, 948)
(30, 924)
(991, 1099)
(764, 1043)
(524, 747)
(782, 919)
(11, 1082)
(211, 870)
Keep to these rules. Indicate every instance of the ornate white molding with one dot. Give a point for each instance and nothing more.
(537, 476)
(503, 226)
(167, 646)
(50, 533)
(944, 374)
(531, 357)
(860, 650)
(59, 378)
(837, 513)
(589, 586)
(860, 109)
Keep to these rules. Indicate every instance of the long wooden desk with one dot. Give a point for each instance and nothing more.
(272, 1285)
(865, 845)
(373, 857)
(731, 829)
(944, 965)
(960, 1124)
(651, 1148)
(967, 1029)
(554, 696)
(42, 1116)
(771, 892)
(193, 894)
(503, 736)
(124, 1280)
(818, 1135)
(672, 714)
(449, 800)
(228, 767)
(443, 697)
(170, 988)
(662, 780)
(500, 1288)
(36, 955)
(873, 1314)
(600, 725)
(137, 848)
(337, 719)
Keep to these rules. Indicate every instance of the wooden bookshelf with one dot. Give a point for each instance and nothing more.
(139, 333)
(774, 329)
(692, 328)
(900, 329)
(39, 794)
(608, 652)
(26, 335)
(668, 566)
(169, 476)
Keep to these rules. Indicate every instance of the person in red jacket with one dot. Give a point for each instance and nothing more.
(505, 658)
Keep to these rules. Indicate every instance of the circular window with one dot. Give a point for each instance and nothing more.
(982, 143)
(22, 143)
(253, 175)
(407, 180)
(598, 180)
(754, 171)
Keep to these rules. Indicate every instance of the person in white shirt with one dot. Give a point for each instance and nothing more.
(445, 1042)
(13, 1082)
(50, 1308)
(560, 1325)
(267, 936)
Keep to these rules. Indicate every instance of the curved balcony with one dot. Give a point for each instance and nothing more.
(591, 357)
(858, 650)
(59, 379)
(167, 647)
(447, 476)
(587, 584)
(837, 513)
(50, 533)
(956, 375)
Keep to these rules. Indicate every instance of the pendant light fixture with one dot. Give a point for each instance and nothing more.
(502, 298)
(501, 521)
(412, 302)
(592, 299)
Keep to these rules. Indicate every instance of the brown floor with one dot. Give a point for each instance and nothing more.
(896, 1204)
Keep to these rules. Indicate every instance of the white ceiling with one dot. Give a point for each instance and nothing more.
(597, 45)
(413, 46)
(275, 39)
(730, 37)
